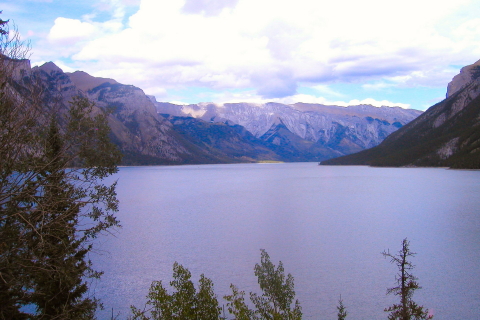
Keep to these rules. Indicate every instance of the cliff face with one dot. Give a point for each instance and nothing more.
(342, 130)
(137, 128)
(467, 74)
(142, 135)
(447, 134)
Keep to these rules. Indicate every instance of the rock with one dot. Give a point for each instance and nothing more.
(467, 74)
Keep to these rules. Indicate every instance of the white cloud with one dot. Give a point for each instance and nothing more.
(273, 46)
(321, 100)
(207, 7)
(70, 31)
(252, 97)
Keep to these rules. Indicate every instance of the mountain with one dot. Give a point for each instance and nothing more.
(143, 136)
(149, 132)
(86, 82)
(446, 135)
(311, 132)
(222, 142)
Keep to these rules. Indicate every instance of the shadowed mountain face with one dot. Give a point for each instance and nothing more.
(447, 134)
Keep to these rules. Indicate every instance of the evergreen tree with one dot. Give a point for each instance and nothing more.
(342, 311)
(407, 283)
(3, 26)
(59, 263)
(53, 200)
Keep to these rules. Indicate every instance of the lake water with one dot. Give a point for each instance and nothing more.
(327, 224)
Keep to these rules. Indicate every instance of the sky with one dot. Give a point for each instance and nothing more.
(342, 52)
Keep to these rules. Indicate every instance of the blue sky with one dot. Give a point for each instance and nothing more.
(344, 52)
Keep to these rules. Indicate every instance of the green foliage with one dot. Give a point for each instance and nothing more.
(184, 303)
(53, 200)
(3, 25)
(278, 291)
(275, 303)
(59, 263)
(407, 309)
(342, 311)
(237, 307)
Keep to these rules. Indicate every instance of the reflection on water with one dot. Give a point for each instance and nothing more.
(327, 224)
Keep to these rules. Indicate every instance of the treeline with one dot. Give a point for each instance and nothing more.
(276, 302)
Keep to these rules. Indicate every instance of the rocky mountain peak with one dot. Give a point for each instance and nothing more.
(467, 74)
(50, 68)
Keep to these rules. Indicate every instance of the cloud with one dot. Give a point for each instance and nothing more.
(70, 31)
(355, 102)
(277, 84)
(272, 47)
(207, 7)
(250, 96)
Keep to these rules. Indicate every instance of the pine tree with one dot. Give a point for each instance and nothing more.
(3, 26)
(407, 283)
(60, 257)
(53, 200)
(342, 311)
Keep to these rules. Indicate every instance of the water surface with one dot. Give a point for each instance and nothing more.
(327, 224)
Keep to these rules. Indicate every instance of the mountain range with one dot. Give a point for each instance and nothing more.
(151, 132)
(309, 131)
(446, 135)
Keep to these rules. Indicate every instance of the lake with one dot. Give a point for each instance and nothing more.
(327, 224)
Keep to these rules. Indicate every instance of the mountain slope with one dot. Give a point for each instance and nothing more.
(447, 134)
(290, 146)
(143, 136)
(342, 130)
(221, 142)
